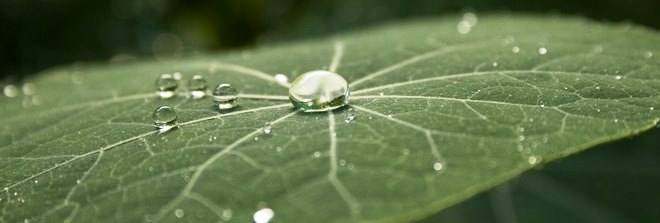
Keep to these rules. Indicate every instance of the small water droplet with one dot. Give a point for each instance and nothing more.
(521, 129)
(381, 93)
(648, 54)
(319, 90)
(515, 49)
(463, 27)
(616, 120)
(317, 154)
(78, 181)
(267, 128)
(350, 118)
(438, 166)
(225, 96)
(10, 91)
(342, 162)
(177, 76)
(28, 88)
(179, 213)
(471, 18)
(542, 106)
(521, 138)
(164, 117)
(36, 181)
(543, 50)
(197, 86)
(256, 138)
(598, 110)
(597, 87)
(618, 77)
(651, 108)
(533, 160)
(227, 214)
(263, 215)
(282, 79)
(495, 64)
(166, 85)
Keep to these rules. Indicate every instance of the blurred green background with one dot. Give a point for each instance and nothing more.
(37, 34)
(617, 182)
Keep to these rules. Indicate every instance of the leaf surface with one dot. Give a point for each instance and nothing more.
(441, 116)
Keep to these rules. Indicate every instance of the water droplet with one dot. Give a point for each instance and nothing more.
(597, 87)
(648, 54)
(263, 215)
(616, 120)
(319, 90)
(350, 118)
(179, 213)
(10, 91)
(177, 76)
(282, 79)
(515, 49)
(227, 214)
(225, 96)
(197, 86)
(533, 160)
(618, 77)
(256, 138)
(651, 108)
(267, 128)
(317, 154)
(495, 64)
(543, 50)
(78, 181)
(381, 93)
(438, 166)
(165, 86)
(164, 117)
(463, 27)
(521, 138)
(28, 88)
(598, 110)
(342, 162)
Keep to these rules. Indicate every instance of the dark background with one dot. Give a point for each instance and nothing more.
(37, 34)
(617, 182)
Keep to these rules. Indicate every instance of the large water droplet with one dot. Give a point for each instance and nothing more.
(225, 96)
(197, 86)
(164, 118)
(165, 86)
(319, 90)
(263, 215)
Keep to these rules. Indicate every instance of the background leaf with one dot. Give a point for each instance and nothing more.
(441, 116)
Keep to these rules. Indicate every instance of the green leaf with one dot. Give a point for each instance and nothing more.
(441, 116)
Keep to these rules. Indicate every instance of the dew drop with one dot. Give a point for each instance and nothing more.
(263, 215)
(256, 138)
(179, 213)
(268, 128)
(197, 86)
(164, 117)
(438, 166)
(282, 79)
(618, 77)
(381, 93)
(350, 118)
(165, 86)
(543, 50)
(495, 64)
(317, 154)
(648, 54)
(515, 49)
(319, 90)
(463, 27)
(533, 160)
(28, 88)
(225, 96)
(651, 108)
(342, 162)
(10, 91)
(227, 214)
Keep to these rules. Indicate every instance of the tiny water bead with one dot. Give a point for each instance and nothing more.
(515, 49)
(282, 79)
(350, 118)
(164, 117)
(263, 215)
(543, 51)
(197, 86)
(179, 213)
(165, 86)
(268, 128)
(319, 90)
(10, 91)
(225, 96)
